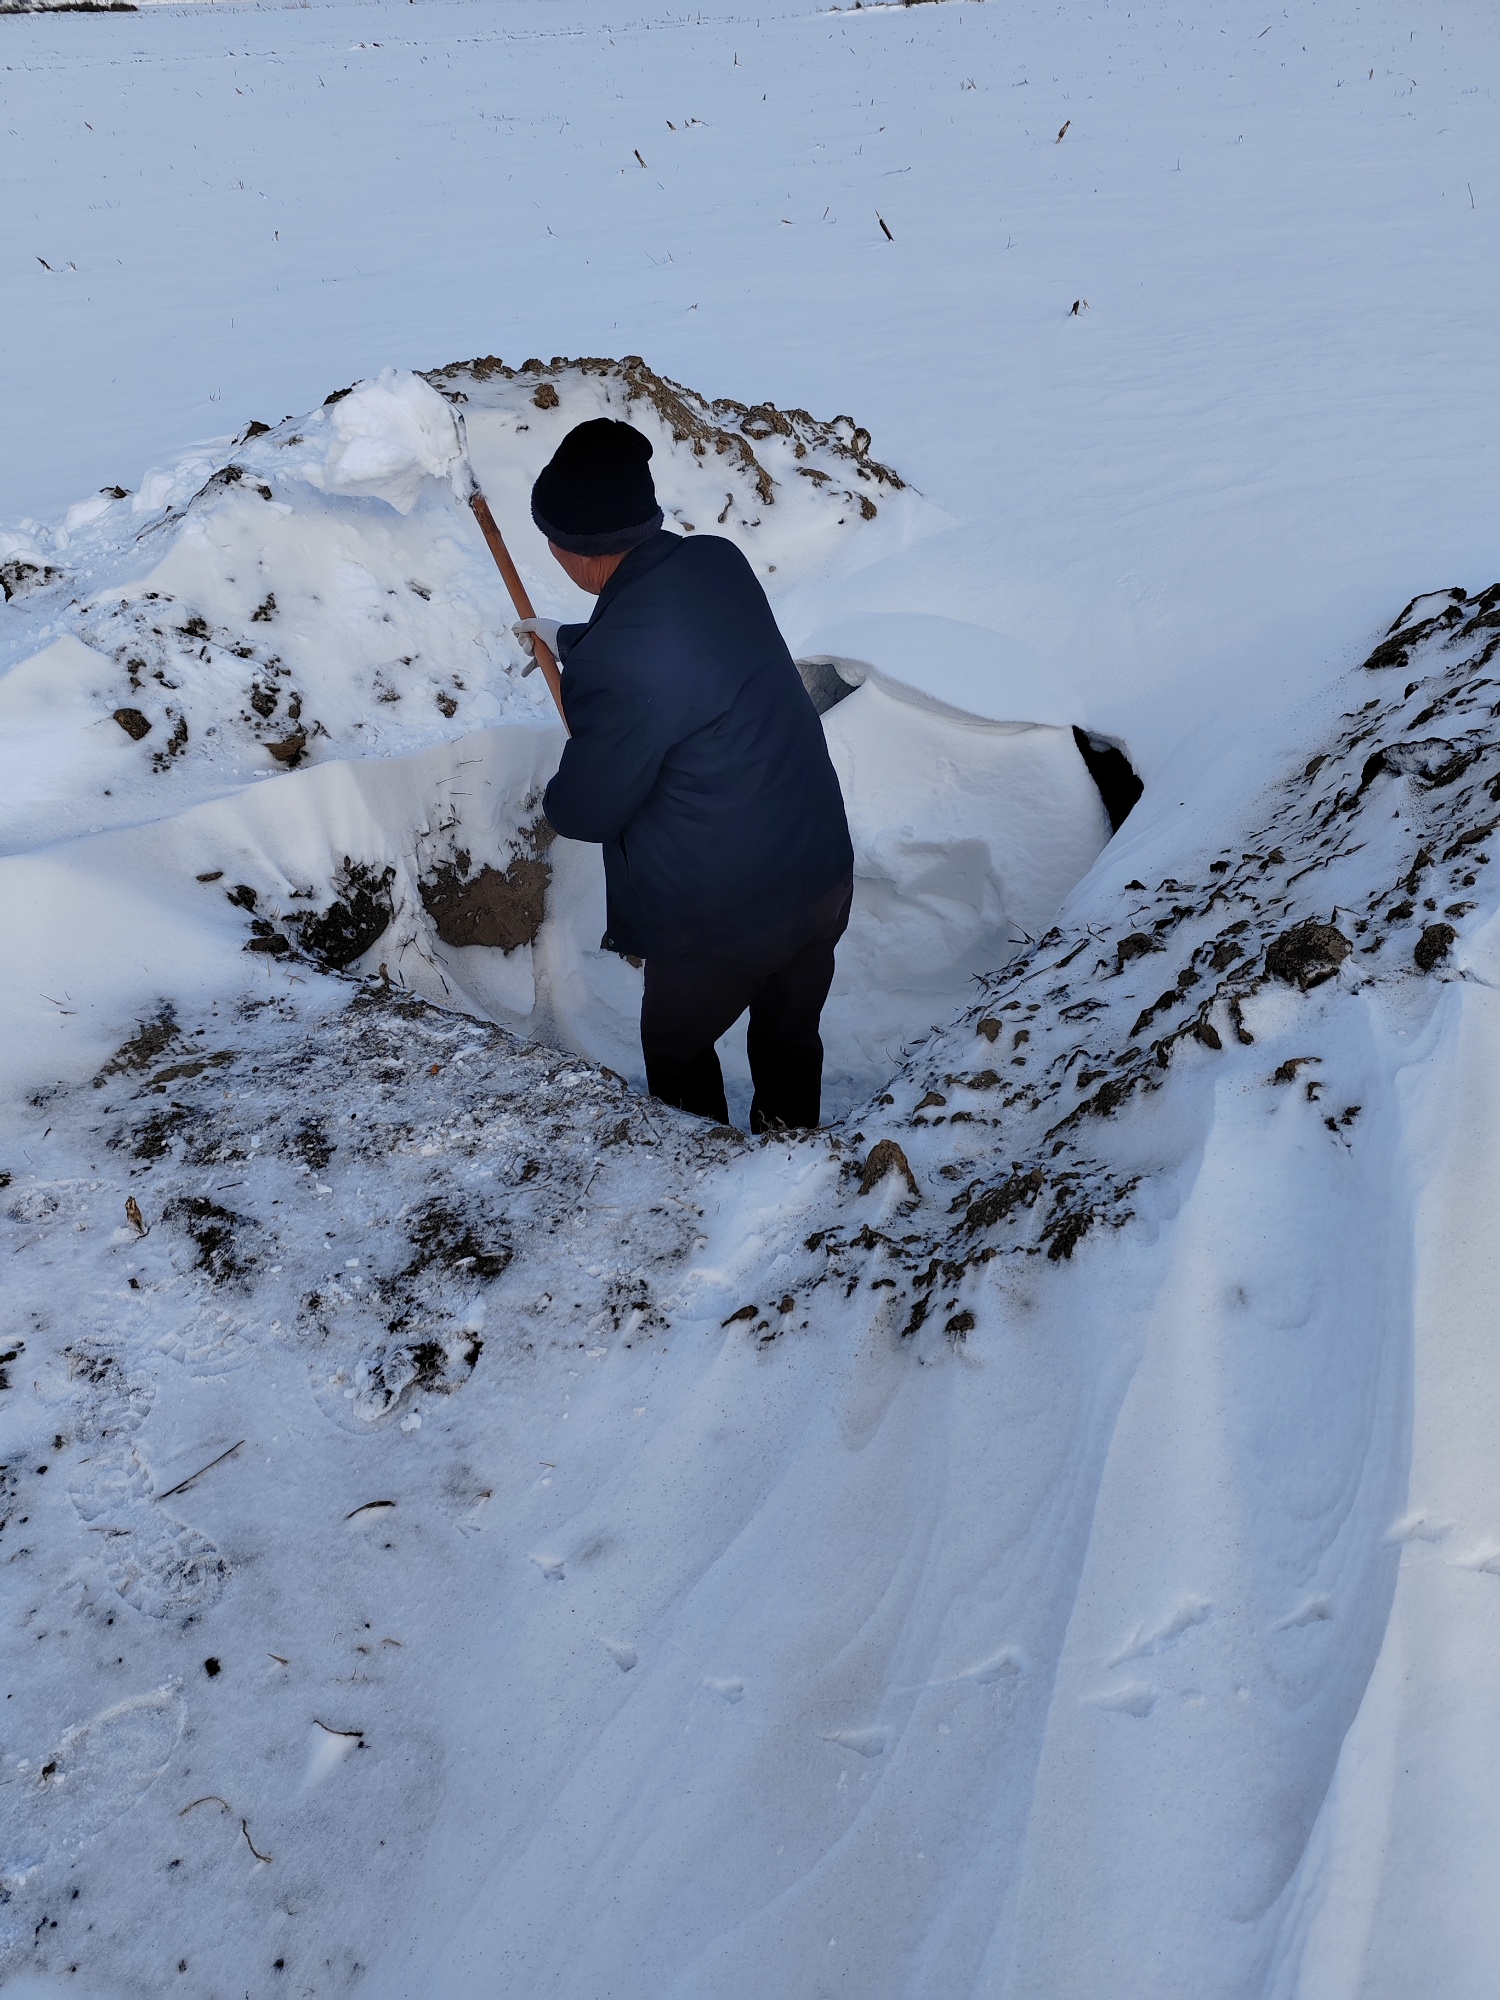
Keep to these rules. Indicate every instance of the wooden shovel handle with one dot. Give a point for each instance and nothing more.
(518, 596)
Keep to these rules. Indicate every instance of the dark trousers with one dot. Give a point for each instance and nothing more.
(783, 977)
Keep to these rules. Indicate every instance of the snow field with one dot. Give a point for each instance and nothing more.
(1095, 1593)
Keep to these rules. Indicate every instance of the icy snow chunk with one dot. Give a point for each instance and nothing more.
(389, 435)
(86, 512)
(14, 545)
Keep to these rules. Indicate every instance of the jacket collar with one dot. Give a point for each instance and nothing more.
(644, 557)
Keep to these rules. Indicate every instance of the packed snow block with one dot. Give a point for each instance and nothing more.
(389, 435)
(968, 837)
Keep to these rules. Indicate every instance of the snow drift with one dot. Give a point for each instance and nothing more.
(1011, 1542)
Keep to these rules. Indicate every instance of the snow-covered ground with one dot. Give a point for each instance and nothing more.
(468, 1530)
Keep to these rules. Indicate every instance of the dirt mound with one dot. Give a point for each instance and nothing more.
(730, 429)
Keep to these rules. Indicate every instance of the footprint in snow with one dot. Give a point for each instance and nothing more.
(1131, 1698)
(96, 1773)
(1312, 1611)
(1418, 1528)
(872, 1742)
(1006, 1665)
(728, 1687)
(208, 1344)
(623, 1654)
(1184, 1615)
(553, 1568)
(159, 1565)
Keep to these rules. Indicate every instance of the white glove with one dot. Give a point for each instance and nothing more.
(545, 629)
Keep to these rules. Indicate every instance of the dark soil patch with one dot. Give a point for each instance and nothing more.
(19, 578)
(150, 1041)
(334, 938)
(152, 1138)
(1021, 1190)
(431, 1363)
(489, 907)
(289, 750)
(1065, 1230)
(265, 937)
(1433, 946)
(886, 1157)
(440, 1235)
(312, 1145)
(1307, 954)
(213, 1230)
(1135, 946)
(134, 724)
(175, 744)
(182, 1072)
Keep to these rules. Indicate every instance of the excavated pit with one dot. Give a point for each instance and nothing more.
(969, 834)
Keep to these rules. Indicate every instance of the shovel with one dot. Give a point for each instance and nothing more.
(480, 507)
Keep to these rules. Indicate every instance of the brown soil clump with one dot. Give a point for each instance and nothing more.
(498, 908)
(1307, 954)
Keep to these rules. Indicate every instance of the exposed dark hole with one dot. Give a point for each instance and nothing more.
(824, 683)
(1110, 769)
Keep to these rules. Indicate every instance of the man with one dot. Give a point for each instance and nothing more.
(696, 760)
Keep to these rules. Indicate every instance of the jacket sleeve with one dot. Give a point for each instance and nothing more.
(609, 763)
(567, 638)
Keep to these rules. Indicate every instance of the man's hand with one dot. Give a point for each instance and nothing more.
(544, 629)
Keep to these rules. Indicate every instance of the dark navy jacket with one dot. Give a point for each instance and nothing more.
(696, 758)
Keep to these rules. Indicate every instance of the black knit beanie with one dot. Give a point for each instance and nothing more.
(595, 497)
